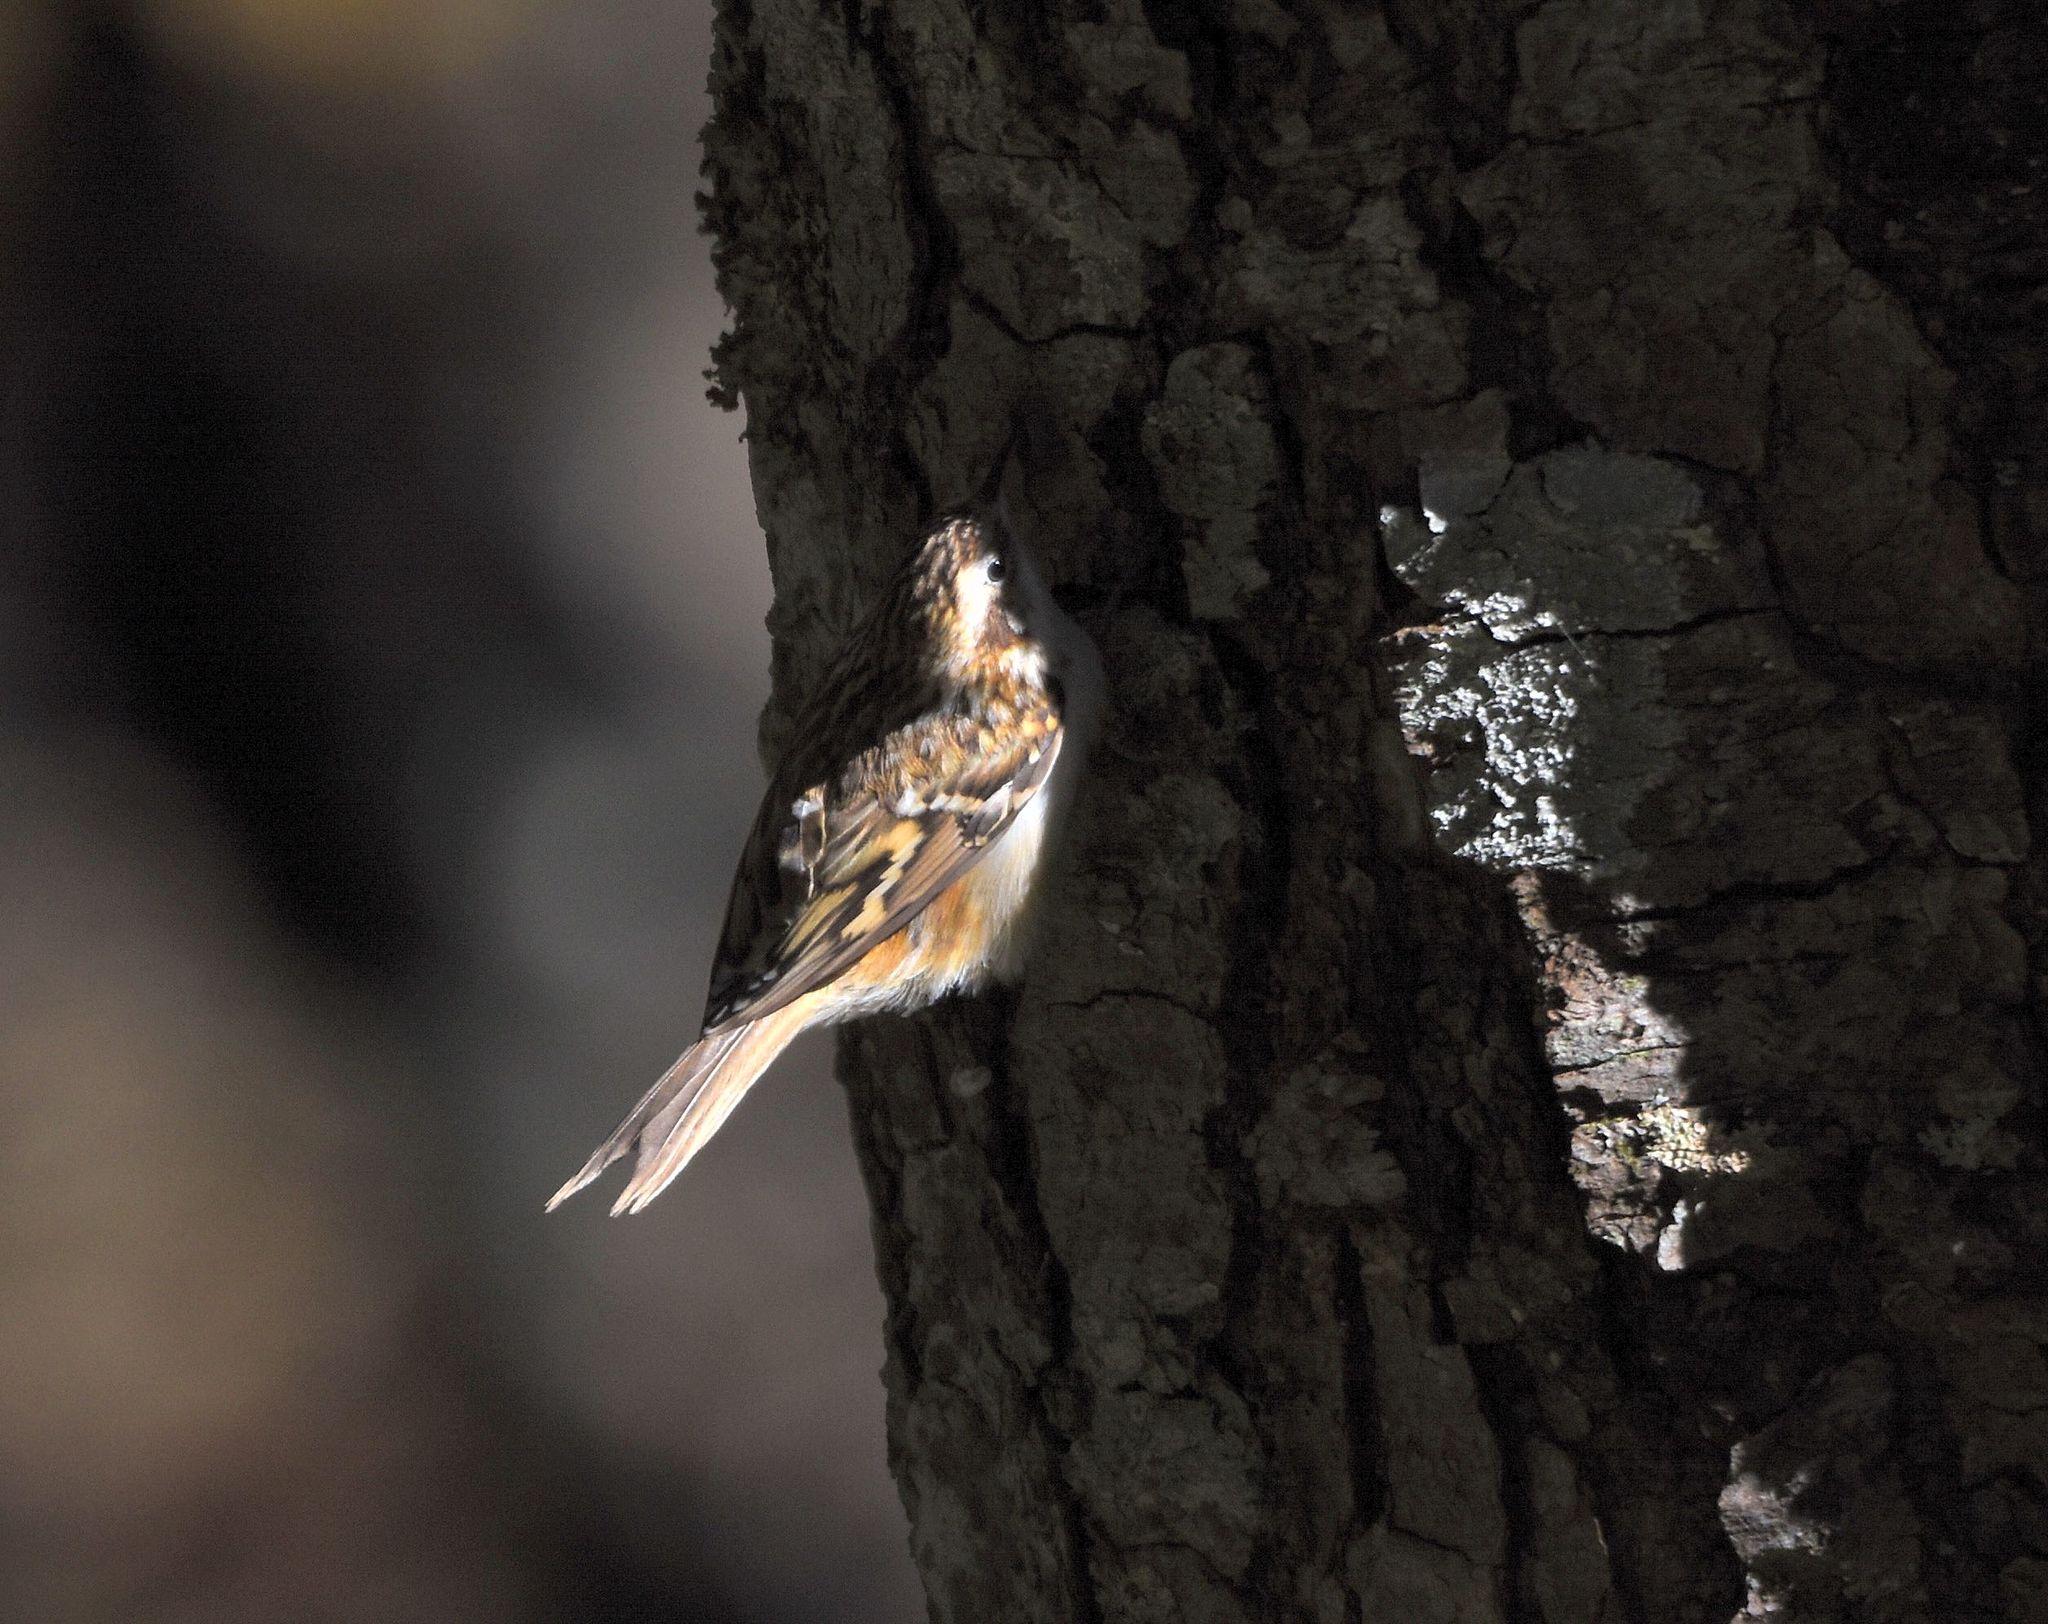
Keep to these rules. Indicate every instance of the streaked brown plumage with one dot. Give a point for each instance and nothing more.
(901, 839)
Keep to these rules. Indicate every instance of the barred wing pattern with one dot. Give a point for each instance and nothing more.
(859, 860)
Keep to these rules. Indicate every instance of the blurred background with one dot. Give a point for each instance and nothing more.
(380, 649)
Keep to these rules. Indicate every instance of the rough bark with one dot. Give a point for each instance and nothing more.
(1529, 1107)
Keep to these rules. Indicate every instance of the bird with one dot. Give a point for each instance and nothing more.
(901, 848)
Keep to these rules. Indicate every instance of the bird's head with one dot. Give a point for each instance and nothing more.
(983, 601)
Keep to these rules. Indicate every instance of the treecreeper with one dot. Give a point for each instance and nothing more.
(904, 836)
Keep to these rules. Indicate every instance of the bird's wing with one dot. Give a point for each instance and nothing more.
(859, 859)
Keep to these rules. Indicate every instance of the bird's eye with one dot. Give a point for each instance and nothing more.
(994, 570)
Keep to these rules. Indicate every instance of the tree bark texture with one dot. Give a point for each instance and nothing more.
(1528, 1107)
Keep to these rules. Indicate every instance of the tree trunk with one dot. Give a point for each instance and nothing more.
(1529, 1104)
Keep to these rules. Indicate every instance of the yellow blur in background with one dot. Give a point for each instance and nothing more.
(347, 46)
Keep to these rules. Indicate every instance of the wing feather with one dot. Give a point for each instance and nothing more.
(892, 845)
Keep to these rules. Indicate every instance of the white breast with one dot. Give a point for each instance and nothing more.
(1009, 882)
(1006, 880)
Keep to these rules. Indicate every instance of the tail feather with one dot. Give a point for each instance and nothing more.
(679, 1114)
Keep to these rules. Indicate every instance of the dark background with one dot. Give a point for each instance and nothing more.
(380, 646)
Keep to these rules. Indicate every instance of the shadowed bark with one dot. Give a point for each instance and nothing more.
(1529, 1105)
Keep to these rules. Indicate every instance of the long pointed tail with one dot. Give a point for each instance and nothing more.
(678, 1115)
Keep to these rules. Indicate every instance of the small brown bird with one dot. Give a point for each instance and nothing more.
(902, 838)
